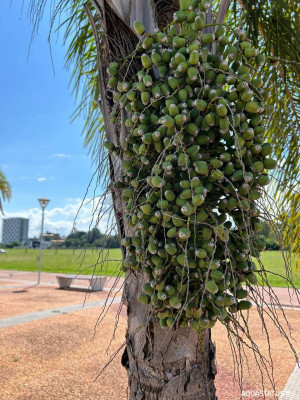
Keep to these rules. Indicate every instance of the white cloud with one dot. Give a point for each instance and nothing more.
(62, 155)
(41, 179)
(61, 219)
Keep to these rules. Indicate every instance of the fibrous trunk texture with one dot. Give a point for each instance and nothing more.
(165, 364)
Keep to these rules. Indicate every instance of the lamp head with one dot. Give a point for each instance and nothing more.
(43, 203)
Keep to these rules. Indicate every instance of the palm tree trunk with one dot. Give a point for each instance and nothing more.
(162, 364)
(165, 364)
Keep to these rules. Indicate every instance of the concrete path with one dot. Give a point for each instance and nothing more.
(291, 390)
(23, 318)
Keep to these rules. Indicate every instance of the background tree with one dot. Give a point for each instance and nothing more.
(5, 190)
(100, 32)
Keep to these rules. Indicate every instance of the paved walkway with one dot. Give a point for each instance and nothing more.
(67, 302)
(34, 316)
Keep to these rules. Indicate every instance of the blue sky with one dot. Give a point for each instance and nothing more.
(41, 153)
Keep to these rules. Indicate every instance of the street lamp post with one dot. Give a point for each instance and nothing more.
(43, 204)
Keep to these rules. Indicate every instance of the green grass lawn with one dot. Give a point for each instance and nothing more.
(107, 263)
(63, 261)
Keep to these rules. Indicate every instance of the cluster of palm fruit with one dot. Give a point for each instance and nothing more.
(195, 163)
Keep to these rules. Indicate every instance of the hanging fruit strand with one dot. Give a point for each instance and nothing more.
(195, 163)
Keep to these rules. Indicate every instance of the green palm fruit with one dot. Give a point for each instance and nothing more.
(147, 138)
(194, 57)
(169, 195)
(224, 41)
(170, 290)
(220, 31)
(171, 248)
(263, 180)
(143, 298)
(177, 220)
(259, 130)
(143, 225)
(183, 160)
(184, 234)
(267, 149)
(221, 110)
(232, 52)
(254, 195)
(200, 253)
(128, 192)
(152, 248)
(220, 80)
(232, 96)
(258, 166)
(252, 107)
(173, 110)
(250, 52)
(163, 204)
(195, 182)
(244, 205)
(147, 209)
(179, 58)
(147, 80)
(112, 82)
(256, 148)
(147, 43)
(178, 42)
(139, 27)
(180, 202)
(244, 305)
(200, 21)
(204, 322)
(158, 270)
(179, 16)
(230, 79)
(246, 96)
(200, 105)
(260, 60)
(162, 295)
(170, 322)
(187, 209)
(148, 289)
(146, 60)
(193, 73)
(157, 181)
(270, 163)
(201, 167)
(163, 323)
(237, 175)
(241, 294)
(211, 287)
(248, 134)
(224, 124)
(215, 162)
(172, 233)
(186, 194)
(154, 299)
(165, 89)
(145, 97)
(207, 38)
(167, 121)
(206, 233)
(228, 300)
(175, 302)
(198, 200)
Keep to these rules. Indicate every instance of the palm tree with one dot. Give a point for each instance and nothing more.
(5, 190)
(178, 365)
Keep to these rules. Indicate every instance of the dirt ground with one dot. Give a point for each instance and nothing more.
(61, 356)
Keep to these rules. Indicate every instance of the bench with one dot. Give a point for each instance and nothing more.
(96, 282)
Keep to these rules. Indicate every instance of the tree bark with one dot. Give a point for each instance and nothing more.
(162, 364)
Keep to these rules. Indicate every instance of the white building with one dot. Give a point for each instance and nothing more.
(14, 229)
